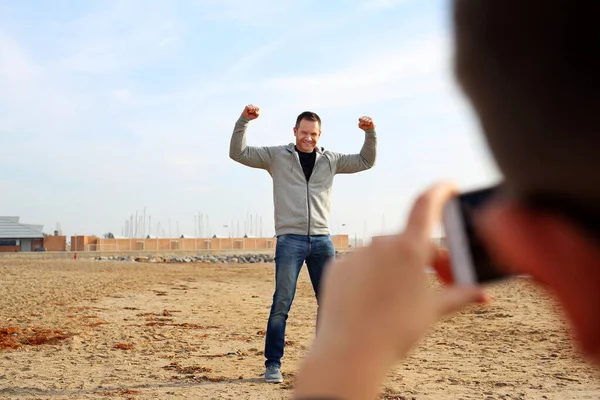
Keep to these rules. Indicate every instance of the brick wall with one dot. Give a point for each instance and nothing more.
(91, 243)
(439, 241)
(340, 241)
(79, 243)
(55, 243)
(9, 249)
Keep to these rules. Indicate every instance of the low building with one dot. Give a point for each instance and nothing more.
(17, 237)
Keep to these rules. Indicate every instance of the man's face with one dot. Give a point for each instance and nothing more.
(307, 135)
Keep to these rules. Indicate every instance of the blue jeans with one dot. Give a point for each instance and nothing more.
(290, 254)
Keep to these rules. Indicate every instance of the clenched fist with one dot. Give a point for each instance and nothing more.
(366, 123)
(251, 112)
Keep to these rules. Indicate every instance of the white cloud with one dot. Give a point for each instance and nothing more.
(33, 104)
(18, 73)
(255, 56)
(375, 5)
(255, 13)
(116, 37)
(167, 40)
(380, 75)
(122, 95)
(16, 64)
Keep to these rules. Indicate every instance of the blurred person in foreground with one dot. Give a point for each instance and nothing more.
(531, 70)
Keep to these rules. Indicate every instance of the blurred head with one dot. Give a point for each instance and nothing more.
(307, 131)
(531, 70)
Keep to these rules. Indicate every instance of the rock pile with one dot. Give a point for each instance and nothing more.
(205, 258)
(211, 259)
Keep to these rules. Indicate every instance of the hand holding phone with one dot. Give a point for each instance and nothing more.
(471, 263)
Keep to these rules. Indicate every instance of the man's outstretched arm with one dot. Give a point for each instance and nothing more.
(255, 157)
(351, 163)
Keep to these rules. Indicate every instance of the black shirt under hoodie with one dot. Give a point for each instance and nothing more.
(307, 160)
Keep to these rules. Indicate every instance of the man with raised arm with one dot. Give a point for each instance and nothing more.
(302, 174)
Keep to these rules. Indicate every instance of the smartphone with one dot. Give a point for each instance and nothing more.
(471, 262)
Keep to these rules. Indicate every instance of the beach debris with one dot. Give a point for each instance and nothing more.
(123, 346)
(16, 337)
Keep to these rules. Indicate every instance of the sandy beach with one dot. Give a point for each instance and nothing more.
(108, 330)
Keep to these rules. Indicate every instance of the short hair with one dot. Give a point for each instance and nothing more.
(310, 116)
(531, 68)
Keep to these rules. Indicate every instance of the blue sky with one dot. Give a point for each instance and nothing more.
(110, 106)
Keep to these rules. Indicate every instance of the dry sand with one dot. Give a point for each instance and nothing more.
(167, 331)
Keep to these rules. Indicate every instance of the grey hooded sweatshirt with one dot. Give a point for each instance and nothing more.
(301, 206)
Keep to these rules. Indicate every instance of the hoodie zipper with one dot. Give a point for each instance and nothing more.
(308, 200)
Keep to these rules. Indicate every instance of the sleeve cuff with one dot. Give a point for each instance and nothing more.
(243, 120)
